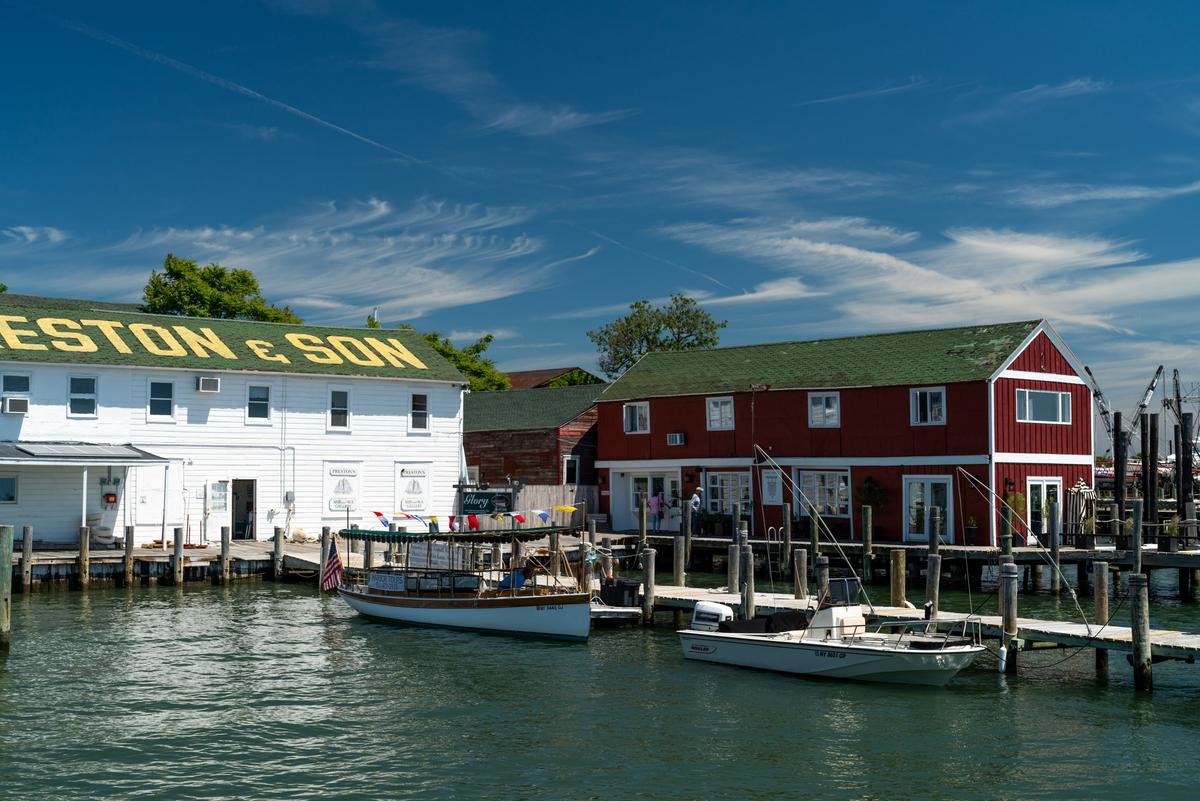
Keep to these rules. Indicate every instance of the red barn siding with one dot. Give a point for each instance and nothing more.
(578, 438)
(970, 500)
(1016, 437)
(531, 456)
(1019, 473)
(1041, 356)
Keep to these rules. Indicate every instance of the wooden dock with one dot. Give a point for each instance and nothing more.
(1164, 643)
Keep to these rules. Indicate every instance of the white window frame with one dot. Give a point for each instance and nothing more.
(329, 426)
(625, 417)
(914, 395)
(820, 503)
(270, 418)
(151, 417)
(27, 376)
(710, 404)
(1061, 394)
(94, 395)
(578, 464)
(412, 415)
(837, 396)
(1056, 481)
(16, 480)
(947, 513)
(473, 474)
(712, 500)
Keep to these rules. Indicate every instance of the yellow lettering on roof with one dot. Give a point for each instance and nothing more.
(262, 349)
(77, 343)
(204, 342)
(109, 329)
(395, 353)
(167, 345)
(355, 351)
(314, 351)
(12, 336)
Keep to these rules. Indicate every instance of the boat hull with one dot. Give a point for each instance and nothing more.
(558, 616)
(830, 659)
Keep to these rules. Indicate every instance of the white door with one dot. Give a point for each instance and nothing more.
(920, 494)
(1043, 492)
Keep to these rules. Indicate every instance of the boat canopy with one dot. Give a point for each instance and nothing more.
(491, 536)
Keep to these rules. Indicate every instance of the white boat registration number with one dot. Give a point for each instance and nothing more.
(831, 654)
(550, 607)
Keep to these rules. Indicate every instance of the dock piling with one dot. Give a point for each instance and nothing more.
(606, 560)
(1100, 590)
(555, 554)
(1006, 545)
(85, 557)
(733, 556)
(648, 586)
(177, 557)
(127, 574)
(933, 578)
(800, 572)
(368, 554)
(814, 535)
(277, 556)
(1055, 538)
(897, 574)
(326, 536)
(678, 558)
(1136, 537)
(6, 549)
(1009, 584)
(27, 559)
(642, 524)
(585, 569)
(868, 537)
(787, 540)
(935, 529)
(748, 605)
(822, 567)
(686, 530)
(1139, 592)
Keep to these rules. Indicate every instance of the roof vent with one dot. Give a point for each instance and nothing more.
(205, 383)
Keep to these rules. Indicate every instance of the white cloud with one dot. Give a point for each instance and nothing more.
(913, 83)
(1028, 99)
(459, 337)
(33, 235)
(1046, 196)
(774, 291)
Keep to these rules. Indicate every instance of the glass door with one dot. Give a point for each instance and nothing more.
(1042, 493)
(921, 493)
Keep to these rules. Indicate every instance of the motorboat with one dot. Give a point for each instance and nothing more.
(834, 641)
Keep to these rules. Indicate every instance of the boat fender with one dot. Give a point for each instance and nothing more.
(1003, 658)
(909, 604)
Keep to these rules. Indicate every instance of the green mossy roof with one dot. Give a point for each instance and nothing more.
(525, 409)
(938, 356)
(233, 333)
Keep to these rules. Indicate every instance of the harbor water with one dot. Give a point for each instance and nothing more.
(272, 692)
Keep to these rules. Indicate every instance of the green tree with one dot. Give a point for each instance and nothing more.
(187, 289)
(3, 287)
(574, 378)
(481, 372)
(679, 324)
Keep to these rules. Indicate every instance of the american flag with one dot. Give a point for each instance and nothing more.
(332, 576)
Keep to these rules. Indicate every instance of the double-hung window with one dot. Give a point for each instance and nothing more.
(162, 400)
(720, 414)
(339, 408)
(258, 403)
(727, 492)
(419, 420)
(824, 410)
(15, 384)
(570, 469)
(828, 491)
(637, 418)
(1040, 406)
(81, 396)
(927, 406)
(8, 489)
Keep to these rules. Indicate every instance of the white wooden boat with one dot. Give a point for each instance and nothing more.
(837, 643)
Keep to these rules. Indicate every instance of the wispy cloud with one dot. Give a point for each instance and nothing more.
(1026, 100)
(913, 83)
(778, 290)
(460, 337)
(1046, 196)
(449, 61)
(32, 235)
(255, 133)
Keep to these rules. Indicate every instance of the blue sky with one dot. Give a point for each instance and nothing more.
(529, 169)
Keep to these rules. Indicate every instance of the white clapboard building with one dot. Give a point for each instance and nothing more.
(113, 418)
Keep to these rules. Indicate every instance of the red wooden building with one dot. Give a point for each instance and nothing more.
(904, 421)
(539, 436)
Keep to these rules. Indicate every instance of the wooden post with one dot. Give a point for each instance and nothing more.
(1100, 590)
(897, 576)
(585, 569)
(6, 549)
(177, 556)
(277, 556)
(1006, 545)
(642, 524)
(733, 557)
(1135, 540)
(1139, 595)
(555, 556)
(800, 572)
(226, 566)
(1151, 512)
(678, 576)
(127, 574)
(933, 578)
(868, 535)
(591, 529)
(647, 584)
(748, 606)
(85, 557)
(368, 553)
(606, 560)
(1009, 583)
(787, 539)
(822, 566)
(1119, 465)
(1144, 478)
(27, 559)
(1055, 545)
(326, 538)
(935, 529)
(687, 532)
(814, 534)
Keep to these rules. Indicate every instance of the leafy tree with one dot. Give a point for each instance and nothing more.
(372, 322)
(481, 372)
(3, 287)
(680, 324)
(574, 378)
(187, 289)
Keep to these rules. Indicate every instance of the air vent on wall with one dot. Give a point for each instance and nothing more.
(678, 438)
(208, 383)
(16, 405)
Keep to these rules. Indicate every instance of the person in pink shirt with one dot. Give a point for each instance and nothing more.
(654, 509)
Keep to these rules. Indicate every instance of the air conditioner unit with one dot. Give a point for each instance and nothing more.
(678, 438)
(205, 383)
(16, 405)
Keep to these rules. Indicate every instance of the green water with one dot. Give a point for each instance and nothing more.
(265, 692)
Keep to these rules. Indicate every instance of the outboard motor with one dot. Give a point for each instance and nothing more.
(707, 616)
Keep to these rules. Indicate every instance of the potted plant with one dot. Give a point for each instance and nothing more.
(972, 531)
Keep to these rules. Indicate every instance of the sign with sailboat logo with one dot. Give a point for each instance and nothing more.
(341, 483)
(412, 487)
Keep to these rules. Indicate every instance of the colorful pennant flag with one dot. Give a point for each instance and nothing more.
(383, 520)
(567, 509)
(453, 523)
(433, 524)
(520, 518)
(472, 523)
(541, 513)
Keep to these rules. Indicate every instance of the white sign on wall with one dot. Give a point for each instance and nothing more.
(341, 484)
(772, 488)
(412, 487)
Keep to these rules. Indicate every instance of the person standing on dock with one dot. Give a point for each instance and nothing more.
(696, 503)
(654, 506)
